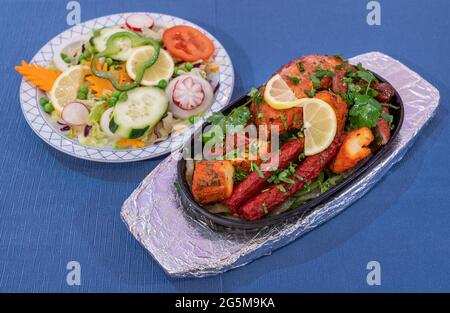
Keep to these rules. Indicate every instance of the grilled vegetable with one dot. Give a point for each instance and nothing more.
(212, 181)
(353, 150)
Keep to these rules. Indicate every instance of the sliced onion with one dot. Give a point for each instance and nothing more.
(138, 21)
(75, 114)
(206, 102)
(104, 123)
(65, 47)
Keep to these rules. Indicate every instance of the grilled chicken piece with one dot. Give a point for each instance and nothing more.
(302, 68)
(354, 149)
(306, 66)
(264, 114)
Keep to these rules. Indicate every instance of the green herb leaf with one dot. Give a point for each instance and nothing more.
(293, 79)
(365, 112)
(255, 167)
(239, 175)
(389, 118)
(281, 188)
(310, 93)
(300, 66)
(283, 120)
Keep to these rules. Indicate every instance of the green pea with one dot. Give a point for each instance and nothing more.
(116, 94)
(176, 70)
(109, 61)
(43, 101)
(48, 107)
(191, 119)
(67, 60)
(84, 89)
(162, 84)
(188, 66)
(87, 54)
(81, 96)
(64, 56)
(81, 60)
(112, 101)
(123, 97)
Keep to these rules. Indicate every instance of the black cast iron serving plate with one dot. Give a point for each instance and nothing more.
(225, 223)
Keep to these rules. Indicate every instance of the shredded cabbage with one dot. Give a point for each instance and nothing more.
(96, 137)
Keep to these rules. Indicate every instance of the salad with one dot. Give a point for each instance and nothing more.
(128, 86)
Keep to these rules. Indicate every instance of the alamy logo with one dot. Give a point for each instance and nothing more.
(374, 276)
(74, 15)
(73, 278)
(374, 16)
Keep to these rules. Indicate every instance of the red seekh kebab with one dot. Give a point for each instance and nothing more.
(308, 170)
(254, 183)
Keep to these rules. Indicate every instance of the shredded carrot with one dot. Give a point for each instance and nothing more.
(123, 77)
(214, 68)
(98, 85)
(135, 143)
(40, 76)
(97, 66)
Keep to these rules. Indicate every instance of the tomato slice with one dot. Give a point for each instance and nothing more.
(187, 43)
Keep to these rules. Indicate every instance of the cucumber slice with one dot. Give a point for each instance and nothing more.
(143, 109)
(101, 37)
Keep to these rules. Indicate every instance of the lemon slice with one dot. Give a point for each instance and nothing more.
(319, 122)
(66, 86)
(279, 96)
(162, 69)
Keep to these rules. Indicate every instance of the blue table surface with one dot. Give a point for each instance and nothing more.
(55, 208)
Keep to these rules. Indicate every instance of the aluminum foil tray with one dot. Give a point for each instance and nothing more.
(187, 247)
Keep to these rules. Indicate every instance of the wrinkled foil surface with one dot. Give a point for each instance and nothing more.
(187, 247)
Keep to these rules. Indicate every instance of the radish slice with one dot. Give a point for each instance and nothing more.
(189, 95)
(75, 114)
(104, 123)
(138, 22)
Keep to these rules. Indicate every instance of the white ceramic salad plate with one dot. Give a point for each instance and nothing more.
(50, 131)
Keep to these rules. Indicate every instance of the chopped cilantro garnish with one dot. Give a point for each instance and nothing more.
(255, 167)
(340, 57)
(281, 188)
(310, 93)
(293, 79)
(255, 96)
(365, 112)
(319, 74)
(389, 118)
(239, 174)
(283, 120)
(301, 156)
(300, 66)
